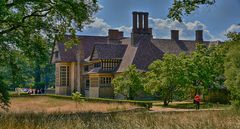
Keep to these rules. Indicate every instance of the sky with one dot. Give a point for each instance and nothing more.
(216, 20)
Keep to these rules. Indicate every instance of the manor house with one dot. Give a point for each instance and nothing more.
(90, 66)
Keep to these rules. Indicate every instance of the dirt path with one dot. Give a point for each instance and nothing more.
(160, 109)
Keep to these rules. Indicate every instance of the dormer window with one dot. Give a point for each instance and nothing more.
(56, 54)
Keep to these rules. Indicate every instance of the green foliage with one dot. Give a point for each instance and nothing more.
(77, 97)
(4, 95)
(28, 31)
(167, 78)
(206, 67)
(129, 83)
(175, 76)
(232, 68)
(23, 94)
(146, 104)
(185, 7)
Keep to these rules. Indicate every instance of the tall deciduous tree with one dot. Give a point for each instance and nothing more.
(232, 68)
(33, 26)
(4, 95)
(128, 83)
(167, 77)
(205, 68)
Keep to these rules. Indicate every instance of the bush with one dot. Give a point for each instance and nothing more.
(21, 94)
(146, 104)
(221, 96)
(236, 104)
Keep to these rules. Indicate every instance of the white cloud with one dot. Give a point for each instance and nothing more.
(98, 27)
(126, 29)
(233, 28)
(162, 28)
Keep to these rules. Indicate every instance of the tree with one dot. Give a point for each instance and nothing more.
(166, 78)
(205, 68)
(186, 7)
(32, 28)
(4, 95)
(232, 68)
(128, 83)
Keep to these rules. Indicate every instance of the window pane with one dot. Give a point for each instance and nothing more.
(64, 76)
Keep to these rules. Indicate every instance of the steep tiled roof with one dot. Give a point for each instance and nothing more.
(86, 42)
(176, 46)
(149, 50)
(141, 55)
(127, 58)
(146, 53)
(109, 51)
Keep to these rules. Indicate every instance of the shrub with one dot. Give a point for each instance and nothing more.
(77, 98)
(146, 104)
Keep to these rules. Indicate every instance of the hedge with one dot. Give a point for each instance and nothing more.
(145, 104)
(22, 94)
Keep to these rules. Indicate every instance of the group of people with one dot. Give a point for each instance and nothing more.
(36, 91)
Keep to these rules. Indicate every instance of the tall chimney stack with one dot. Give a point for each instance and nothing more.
(199, 35)
(140, 27)
(145, 21)
(140, 23)
(134, 29)
(174, 34)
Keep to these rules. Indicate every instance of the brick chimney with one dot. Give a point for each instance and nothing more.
(199, 35)
(174, 35)
(140, 27)
(114, 36)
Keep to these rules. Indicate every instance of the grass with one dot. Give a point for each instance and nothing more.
(190, 105)
(43, 112)
(38, 104)
(163, 120)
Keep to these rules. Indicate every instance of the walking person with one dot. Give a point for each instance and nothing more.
(197, 100)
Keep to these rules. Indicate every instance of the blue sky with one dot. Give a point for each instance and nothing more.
(215, 20)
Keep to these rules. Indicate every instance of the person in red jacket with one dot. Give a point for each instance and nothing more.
(197, 100)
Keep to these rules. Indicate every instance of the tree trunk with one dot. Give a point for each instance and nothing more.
(131, 97)
(165, 103)
(14, 70)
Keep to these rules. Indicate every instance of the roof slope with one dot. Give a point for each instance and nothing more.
(108, 51)
(140, 56)
(86, 43)
(146, 53)
(176, 46)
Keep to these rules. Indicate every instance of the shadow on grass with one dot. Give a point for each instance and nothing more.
(193, 106)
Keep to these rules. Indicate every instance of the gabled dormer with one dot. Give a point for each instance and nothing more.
(108, 55)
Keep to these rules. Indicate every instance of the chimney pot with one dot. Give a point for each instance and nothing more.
(174, 34)
(115, 34)
(199, 35)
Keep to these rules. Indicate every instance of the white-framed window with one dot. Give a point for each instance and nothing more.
(105, 81)
(64, 76)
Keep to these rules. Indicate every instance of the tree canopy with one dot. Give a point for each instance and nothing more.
(28, 31)
(128, 84)
(186, 7)
(167, 77)
(232, 67)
